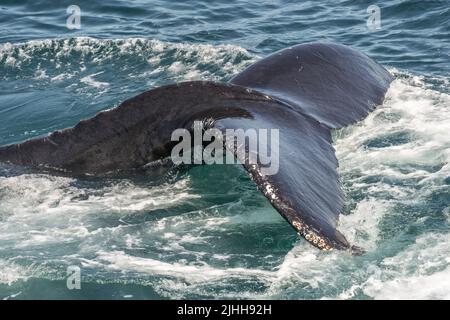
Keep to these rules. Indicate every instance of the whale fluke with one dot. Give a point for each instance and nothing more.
(303, 91)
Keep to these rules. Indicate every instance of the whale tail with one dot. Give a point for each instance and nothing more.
(303, 91)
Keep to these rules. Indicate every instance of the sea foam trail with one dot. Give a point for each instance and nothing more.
(399, 154)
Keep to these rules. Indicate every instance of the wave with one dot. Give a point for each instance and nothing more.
(136, 58)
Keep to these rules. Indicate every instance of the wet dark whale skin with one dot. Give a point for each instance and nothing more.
(332, 83)
(304, 91)
(136, 132)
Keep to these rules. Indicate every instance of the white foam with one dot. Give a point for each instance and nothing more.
(119, 260)
(187, 59)
(361, 227)
(435, 286)
(410, 107)
(11, 272)
(44, 194)
(89, 80)
(42, 210)
(421, 271)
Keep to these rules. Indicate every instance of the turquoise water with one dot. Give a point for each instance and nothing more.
(208, 233)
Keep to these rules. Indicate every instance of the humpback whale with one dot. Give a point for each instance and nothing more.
(304, 91)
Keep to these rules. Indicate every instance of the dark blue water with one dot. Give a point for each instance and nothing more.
(208, 233)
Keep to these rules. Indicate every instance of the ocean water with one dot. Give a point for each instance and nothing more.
(207, 232)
